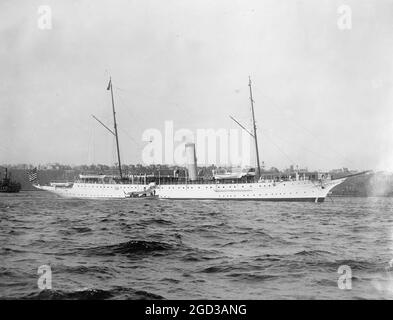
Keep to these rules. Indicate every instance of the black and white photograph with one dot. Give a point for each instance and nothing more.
(167, 150)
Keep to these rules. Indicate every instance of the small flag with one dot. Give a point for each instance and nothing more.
(32, 174)
(109, 84)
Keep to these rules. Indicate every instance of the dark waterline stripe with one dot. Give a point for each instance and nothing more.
(255, 199)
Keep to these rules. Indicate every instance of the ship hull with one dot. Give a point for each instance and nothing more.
(13, 188)
(294, 191)
(302, 191)
(10, 190)
(95, 190)
(256, 199)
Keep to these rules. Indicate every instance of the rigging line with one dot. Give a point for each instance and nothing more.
(131, 116)
(128, 91)
(306, 149)
(175, 105)
(131, 138)
(241, 126)
(133, 120)
(6, 149)
(316, 139)
(139, 93)
(104, 125)
(118, 88)
(306, 130)
(279, 149)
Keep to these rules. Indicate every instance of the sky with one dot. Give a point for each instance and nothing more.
(323, 95)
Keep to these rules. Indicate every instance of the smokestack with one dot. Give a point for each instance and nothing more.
(191, 161)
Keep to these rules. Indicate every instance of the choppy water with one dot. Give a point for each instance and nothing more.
(142, 249)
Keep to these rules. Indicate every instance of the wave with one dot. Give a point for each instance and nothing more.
(82, 229)
(252, 277)
(360, 265)
(6, 271)
(74, 230)
(131, 247)
(197, 254)
(93, 294)
(269, 258)
(171, 280)
(82, 269)
(312, 253)
(219, 269)
(160, 221)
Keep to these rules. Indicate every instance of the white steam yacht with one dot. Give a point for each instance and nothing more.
(243, 185)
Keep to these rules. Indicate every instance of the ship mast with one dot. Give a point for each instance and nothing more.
(255, 131)
(115, 127)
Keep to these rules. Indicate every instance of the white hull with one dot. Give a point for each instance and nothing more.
(302, 190)
(95, 190)
(279, 191)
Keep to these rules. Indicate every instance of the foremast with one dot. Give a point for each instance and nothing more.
(258, 175)
(115, 127)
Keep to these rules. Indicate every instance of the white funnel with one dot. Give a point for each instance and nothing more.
(191, 161)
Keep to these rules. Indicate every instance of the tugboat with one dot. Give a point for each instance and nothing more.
(7, 185)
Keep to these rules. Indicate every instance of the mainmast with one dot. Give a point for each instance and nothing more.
(255, 131)
(115, 127)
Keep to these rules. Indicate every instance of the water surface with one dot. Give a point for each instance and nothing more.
(143, 249)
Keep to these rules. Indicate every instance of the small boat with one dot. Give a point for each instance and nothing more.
(61, 184)
(147, 192)
(7, 185)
